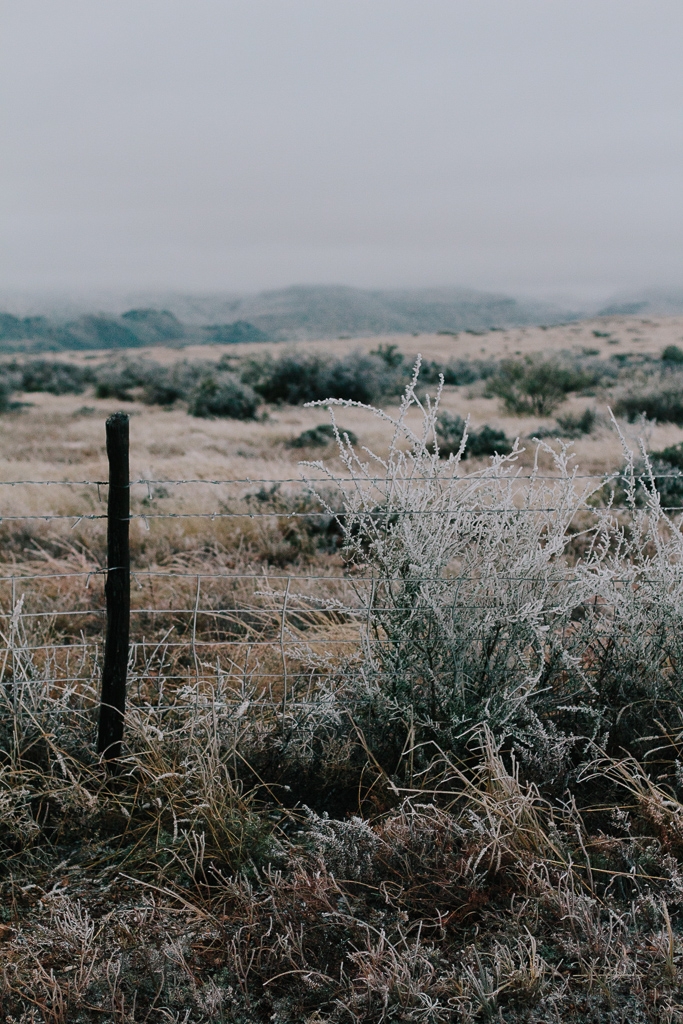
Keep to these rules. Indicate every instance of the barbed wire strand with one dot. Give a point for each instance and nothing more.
(570, 576)
(355, 515)
(306, 481)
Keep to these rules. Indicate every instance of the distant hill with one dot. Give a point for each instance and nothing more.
(132, 329)
(654, 302)
(289, 314)
(327, 311)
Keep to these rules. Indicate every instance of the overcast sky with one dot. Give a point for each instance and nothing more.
(523, 145)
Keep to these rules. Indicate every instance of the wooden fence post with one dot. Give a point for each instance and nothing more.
(117, 591)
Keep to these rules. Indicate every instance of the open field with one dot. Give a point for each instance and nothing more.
(403, 744)
(55, 431)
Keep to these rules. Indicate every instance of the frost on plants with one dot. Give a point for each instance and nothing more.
(506, 599)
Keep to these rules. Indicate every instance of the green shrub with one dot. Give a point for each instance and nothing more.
(163, 388)
(54, 378)
(223, 394)
(662, 400)
(575, 425)
(6, 391)
(299, 377)
(487, 441)
(295, 377)
(360, 378)
(157, 384)
(673, 455)
(320, 437)
(672, 354)
(233, 334)
(164, 385)
(457, 372)
(667, 472)
(390, 354)
(535, 385)
(116, 380)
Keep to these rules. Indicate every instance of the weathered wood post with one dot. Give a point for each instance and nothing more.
(117, 591)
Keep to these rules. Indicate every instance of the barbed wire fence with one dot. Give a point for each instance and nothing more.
(114, 662)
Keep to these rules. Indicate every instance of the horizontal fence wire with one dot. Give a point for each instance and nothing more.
(306, 481)
(226, 613)
(567, 576)
(361, 513)
(275, 643)
(76, 663)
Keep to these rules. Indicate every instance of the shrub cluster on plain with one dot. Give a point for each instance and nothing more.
(532, 385)
(439, 782)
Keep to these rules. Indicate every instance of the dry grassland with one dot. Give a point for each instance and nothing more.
(314, 820)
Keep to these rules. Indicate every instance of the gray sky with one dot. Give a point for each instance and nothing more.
(525, 145)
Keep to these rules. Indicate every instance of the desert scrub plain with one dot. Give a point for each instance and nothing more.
(403, 740)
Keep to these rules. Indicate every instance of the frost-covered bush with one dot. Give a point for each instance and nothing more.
(148, 380)
(505, 599)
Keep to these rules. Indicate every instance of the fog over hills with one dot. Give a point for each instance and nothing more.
(327, 311)
(289, 314)
(38, 323)
(652, 302)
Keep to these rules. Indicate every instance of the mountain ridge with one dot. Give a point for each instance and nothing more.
(296, 313)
